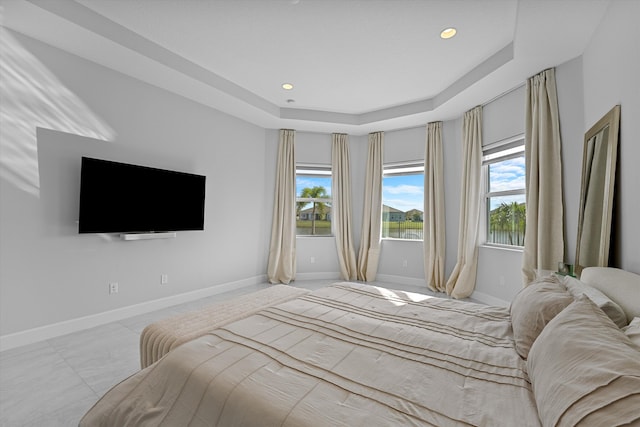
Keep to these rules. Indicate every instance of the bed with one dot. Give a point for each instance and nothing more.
(353, 355)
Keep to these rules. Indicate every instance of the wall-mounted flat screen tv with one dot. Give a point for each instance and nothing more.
(125, 198)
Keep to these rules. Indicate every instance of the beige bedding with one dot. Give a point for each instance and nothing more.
(346, 355)
(162, 336)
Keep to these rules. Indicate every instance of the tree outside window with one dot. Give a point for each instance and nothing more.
(313, 200)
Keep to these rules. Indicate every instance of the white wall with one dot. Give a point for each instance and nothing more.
(499, 270)
(499, 273)
(316, 256)
(49, 273)
(399, 146)
(611, 76)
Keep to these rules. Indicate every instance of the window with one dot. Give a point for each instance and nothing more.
(504, 169)
(403, 201)
(313, 200)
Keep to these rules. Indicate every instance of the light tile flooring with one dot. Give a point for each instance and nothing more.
(54, 382)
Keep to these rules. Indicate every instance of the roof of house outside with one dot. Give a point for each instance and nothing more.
(414, 211)
(386, 208)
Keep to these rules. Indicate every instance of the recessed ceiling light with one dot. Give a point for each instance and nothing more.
(447, 33)
(287, 86)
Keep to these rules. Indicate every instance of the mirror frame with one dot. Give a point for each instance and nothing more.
(611, 119)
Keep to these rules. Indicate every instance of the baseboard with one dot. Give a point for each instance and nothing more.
(318, 276)
(489, 300)
(53, 330)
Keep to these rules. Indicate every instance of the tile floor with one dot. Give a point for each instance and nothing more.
(54, 382)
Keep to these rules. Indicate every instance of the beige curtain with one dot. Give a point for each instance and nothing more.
(544, 239)
(282, 251)
(462, 281)
(434, 220)
(369, 253)
(341, 205)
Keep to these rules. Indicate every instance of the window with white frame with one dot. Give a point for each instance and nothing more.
(403, 200)
(313, 200)
(505, 197)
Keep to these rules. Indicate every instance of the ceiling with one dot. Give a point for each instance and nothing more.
(357, 66)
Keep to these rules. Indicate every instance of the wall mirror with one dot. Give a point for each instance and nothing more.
(596, 194)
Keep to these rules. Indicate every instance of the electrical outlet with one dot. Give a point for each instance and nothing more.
(404, 263)
(164, 279)
(113, 288)
(312, 260)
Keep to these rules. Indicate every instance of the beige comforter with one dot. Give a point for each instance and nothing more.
(346, 355)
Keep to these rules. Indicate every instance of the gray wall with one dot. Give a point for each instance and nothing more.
(499, 270)
(315, 148)
(50, 274)
(611, 68)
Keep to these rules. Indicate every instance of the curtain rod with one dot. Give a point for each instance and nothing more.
(507, 92)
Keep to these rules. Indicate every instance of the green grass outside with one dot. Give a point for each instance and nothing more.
(308, 223)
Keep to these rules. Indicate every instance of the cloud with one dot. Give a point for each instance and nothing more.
(507, 175)
(404, 189)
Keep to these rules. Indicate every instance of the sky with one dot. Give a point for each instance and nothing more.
(403, 192)
(507, 175)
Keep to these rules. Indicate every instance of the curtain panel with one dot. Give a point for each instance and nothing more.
(369, 253)
(282, 250)
(341, 209)
(462, 281)
(544, 237)
(434, 218)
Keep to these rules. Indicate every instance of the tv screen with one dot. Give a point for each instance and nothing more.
(125, 198)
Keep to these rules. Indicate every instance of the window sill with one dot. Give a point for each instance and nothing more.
(387, 239)
(519, 249)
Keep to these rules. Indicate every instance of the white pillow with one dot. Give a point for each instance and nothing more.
(584, 370)
(606, 304)
(632, 331)
(621, 286)
(533, 307)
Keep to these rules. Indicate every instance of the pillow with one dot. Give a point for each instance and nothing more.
(610, 308)
(583, 369)
(632, 331)
(619, 285)
(533, 307)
